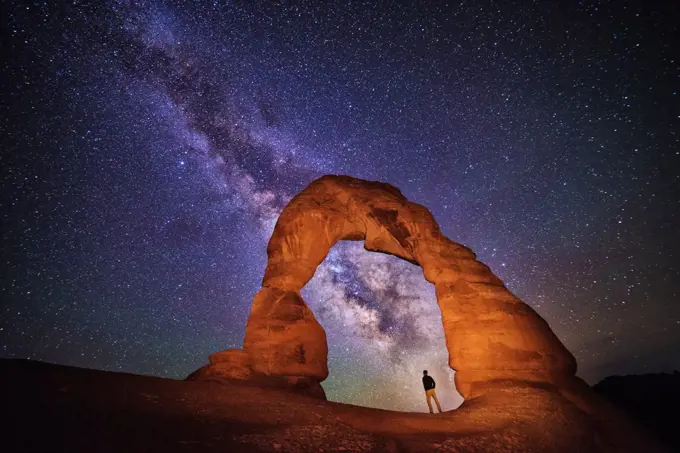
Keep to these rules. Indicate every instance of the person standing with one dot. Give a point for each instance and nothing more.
(430, 393)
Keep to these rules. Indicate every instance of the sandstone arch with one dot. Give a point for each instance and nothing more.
(491, 335)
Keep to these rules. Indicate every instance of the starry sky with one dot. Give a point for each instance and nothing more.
(148, 148)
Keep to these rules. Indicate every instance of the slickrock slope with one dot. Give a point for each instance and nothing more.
(52, 408)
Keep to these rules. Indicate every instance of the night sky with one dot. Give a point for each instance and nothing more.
(148, 148)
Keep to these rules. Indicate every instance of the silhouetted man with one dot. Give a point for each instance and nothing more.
(429, 385)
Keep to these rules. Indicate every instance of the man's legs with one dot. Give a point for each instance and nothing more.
(436, 400)
(428, 395)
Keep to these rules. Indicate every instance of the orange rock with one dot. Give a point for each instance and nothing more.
(490, 334)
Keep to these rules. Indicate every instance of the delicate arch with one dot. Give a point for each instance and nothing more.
(490, 333)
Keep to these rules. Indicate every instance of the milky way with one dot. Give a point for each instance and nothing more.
(148, 148)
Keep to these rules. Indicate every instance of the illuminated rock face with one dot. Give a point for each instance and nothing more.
(490, 333)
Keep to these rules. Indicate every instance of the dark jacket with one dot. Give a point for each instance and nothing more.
(428, 382)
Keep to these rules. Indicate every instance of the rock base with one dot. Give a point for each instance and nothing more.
(234, 364)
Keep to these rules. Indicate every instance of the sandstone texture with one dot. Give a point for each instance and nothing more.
(491, 335)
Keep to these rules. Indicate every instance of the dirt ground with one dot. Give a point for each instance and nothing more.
(56, 408)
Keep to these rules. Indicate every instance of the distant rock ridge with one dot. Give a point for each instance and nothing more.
(491, 335)
(653, 400)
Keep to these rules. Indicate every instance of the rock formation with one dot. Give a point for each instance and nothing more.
(491, 335)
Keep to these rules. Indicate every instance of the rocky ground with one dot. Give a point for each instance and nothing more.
(56, 408)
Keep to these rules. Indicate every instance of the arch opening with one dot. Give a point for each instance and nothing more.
(383, 327)
(490, 334)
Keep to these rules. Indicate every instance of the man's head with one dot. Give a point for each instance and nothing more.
(425, 372)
